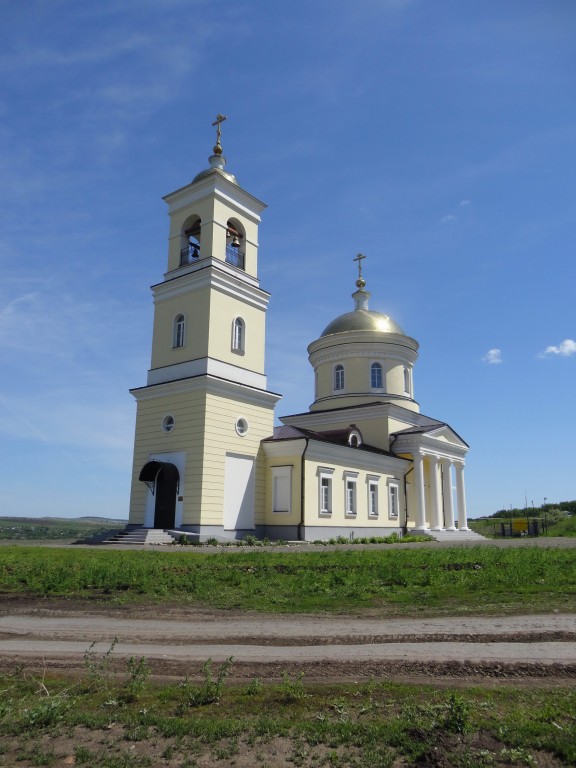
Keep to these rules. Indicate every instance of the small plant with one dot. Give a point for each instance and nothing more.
(138, 672)
(183, 539)
(457, 718)
(293, 688)
(250, 540)
(211, 688)
(97, 667)
(254, 687)
(212, 542)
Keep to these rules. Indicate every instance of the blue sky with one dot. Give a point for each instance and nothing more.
(435, 136)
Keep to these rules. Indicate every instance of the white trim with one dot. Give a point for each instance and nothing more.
(214, 274)
(350, 493)
(206, 366)
(338, 368)
(238, 335)
(393, 491)
(325, 480)
(372, 482)
(382, 388)
(213, 386)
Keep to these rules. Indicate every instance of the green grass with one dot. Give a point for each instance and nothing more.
(355, 724)
(446, 580)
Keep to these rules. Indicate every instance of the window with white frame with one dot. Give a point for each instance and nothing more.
(325, 490)
(238, 335)
(393, 501)
(339, 377)
(350, 499)
(178, 334)
(282, 489)
(376, 376)
(372, 496)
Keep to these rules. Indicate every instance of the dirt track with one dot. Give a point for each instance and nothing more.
(325, 648)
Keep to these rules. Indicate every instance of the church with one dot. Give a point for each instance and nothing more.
(208, 460)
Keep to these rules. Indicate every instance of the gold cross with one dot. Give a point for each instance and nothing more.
(219, 119)
(359, 260)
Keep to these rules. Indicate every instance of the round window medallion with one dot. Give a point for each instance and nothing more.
(241, 427)
(168, 423)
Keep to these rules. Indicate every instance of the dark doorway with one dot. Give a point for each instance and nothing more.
(162, 478)
(166, 490)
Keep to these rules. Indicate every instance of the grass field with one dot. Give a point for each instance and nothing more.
(126, 722)
(110, 719)
(447, 580)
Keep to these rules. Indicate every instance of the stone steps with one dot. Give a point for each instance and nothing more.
(142, 536)
(456, 537)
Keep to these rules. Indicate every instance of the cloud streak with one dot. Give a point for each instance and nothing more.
(566, 348)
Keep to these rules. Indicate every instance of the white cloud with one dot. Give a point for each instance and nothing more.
(493, 357)
(464, 203)
(566, 348)
(447, 219)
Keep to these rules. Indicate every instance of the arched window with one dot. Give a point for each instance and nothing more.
(190, 241)
(179, 327)
(339, 377)
(376, 376)
(238, 335)
(235, 243)
(407, 388)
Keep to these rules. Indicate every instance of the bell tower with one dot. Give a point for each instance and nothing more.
(198, 464)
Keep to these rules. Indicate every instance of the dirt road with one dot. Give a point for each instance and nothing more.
(325, 647)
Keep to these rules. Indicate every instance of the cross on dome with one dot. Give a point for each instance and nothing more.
(360, 282)
(219, 120)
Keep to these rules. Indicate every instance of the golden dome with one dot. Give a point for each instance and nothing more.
(362, 320)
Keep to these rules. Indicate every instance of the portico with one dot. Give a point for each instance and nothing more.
(438, 456)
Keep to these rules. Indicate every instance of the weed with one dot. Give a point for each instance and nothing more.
(457, 718)
(97, 667)
(211, 688)
(254, 687)
(138, 672)
(292, 687)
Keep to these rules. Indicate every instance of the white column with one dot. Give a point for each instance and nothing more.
(461, 497)
(436, 517)
(447, 492)
(420, 497)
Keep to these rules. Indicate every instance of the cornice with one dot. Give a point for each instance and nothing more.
(350, 414)
(211, 385)
(220, 187)
(373, 351)
(212, 275)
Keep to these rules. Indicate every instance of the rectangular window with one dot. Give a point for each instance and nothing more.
(393, 502)
(350, 479)
(350, 497)
(373, 499)
(281, 489)
(325, 490)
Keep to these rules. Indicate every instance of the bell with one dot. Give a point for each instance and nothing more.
(235, 242)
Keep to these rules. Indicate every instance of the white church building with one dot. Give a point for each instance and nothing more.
(208, 461)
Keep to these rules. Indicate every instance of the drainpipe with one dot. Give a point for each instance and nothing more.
(302, 491)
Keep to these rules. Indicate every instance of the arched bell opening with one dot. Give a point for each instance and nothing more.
(163, 480)
(190, 240)
(235, 243)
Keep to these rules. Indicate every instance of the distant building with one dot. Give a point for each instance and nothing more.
(362, 461)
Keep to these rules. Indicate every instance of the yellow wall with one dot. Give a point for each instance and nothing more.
(221, 438)
(223, 310)
(338, 516)
(188, 412)
(195, 306)
(281, 518)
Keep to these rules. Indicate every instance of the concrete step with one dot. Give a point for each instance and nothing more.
(142, 536)
(455, 537)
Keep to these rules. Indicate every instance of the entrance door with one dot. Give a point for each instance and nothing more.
(166, 490)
